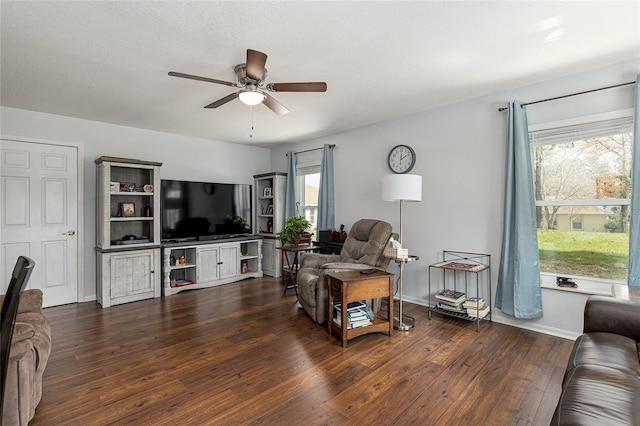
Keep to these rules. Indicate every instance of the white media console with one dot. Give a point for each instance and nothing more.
(201, 264)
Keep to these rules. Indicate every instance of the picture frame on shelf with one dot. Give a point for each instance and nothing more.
(270, 209)
(128, 209)
(114, 186)
(267, 192)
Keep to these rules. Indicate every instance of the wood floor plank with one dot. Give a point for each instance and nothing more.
(187, 408)
(120, 406)
(244, 354)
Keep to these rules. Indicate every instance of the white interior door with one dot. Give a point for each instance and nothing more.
(39, 216)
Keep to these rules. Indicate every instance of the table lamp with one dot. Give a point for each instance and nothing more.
(402, 187)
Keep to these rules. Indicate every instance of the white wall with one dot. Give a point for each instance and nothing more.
(183, 158)
(460, 154)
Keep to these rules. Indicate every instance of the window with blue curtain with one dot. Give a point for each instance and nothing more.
(309, 168)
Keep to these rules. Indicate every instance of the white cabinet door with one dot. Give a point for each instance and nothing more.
(268, 257)
(39, 216)
(229, 261)
(131, 274)
(207, 264)
(271, 258)
(128, 276)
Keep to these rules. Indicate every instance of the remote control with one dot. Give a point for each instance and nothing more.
(368, 271)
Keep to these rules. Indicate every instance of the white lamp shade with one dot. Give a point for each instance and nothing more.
(251, 97)
(402, 187)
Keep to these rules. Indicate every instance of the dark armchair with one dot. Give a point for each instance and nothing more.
(363, 249)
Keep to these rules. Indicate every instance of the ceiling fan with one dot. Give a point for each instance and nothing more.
(251, 81)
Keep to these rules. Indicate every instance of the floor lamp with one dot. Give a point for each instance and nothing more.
(402, 188)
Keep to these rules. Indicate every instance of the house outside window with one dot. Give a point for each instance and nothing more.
(582, 183)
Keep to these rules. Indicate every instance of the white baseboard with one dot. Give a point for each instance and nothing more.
(501, 318)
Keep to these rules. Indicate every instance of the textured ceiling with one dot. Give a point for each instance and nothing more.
(108, 61)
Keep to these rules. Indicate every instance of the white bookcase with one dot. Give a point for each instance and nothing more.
(270, 196)
(127, 230)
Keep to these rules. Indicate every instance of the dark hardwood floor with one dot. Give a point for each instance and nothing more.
(242, 354)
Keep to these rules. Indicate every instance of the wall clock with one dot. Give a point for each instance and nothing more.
(401, 159)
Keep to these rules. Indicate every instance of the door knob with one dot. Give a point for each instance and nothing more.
(69, 232)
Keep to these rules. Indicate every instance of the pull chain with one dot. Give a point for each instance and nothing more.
(251, 109)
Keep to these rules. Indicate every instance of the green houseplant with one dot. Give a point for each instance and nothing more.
(294, 228)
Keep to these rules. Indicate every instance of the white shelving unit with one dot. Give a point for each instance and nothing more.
(458, 270)
(127, 230)
(270, 193)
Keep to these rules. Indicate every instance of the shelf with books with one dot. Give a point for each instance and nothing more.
(181, 283)
(358, 315)
(359, 292)
(454, 294)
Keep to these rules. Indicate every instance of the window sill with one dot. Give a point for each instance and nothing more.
(585, 285)
(595, 289)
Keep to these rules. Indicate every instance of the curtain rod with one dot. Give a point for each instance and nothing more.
(573, 94)
(312, 149)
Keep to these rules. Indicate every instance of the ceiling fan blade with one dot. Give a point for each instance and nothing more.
(274, 105)
(195, 77)
(223, 101)
(255, 64)
(318, 86)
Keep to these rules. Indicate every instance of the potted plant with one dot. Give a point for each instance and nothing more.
(294, 228)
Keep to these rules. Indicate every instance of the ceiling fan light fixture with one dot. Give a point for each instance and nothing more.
(250, 78)
(251, 97)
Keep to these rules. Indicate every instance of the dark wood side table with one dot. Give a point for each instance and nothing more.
(351, 286)
(290, 266)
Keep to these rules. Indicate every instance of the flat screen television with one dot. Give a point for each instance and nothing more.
(204, 210)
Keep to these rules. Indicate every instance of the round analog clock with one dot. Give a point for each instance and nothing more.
(401, 159)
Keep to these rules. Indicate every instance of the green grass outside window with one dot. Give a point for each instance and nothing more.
(587, 254)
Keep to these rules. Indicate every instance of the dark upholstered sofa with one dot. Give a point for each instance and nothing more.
(601, 384)
(28, 356)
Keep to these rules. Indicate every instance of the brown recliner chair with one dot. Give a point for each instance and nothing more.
(363, 249)
(25, 350)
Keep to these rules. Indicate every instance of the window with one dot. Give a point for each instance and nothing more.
(582, 179)
(307, 188)
(576, 223)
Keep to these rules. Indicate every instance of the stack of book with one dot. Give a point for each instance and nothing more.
(451, 300)
(476, 307)
(358, 315)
